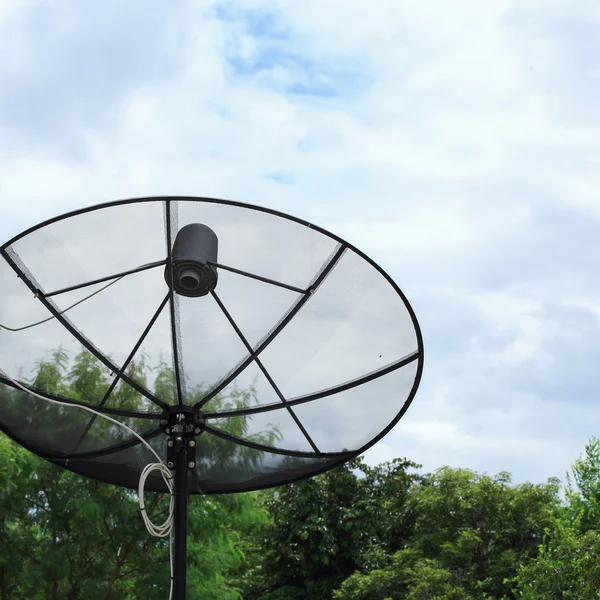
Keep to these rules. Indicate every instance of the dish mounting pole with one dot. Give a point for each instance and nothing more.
(183, 425)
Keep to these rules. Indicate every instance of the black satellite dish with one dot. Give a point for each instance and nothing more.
(277, 350)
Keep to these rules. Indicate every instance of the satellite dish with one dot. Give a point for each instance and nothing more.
(272, 349)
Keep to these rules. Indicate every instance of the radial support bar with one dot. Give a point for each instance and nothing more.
(312, 288)
(174, 331)
(61, 318)
(152, 265)
(352, 383)
(280, 284)
(122, 370)
(264, 371)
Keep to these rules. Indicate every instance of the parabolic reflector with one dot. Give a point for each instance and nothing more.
(298, 353)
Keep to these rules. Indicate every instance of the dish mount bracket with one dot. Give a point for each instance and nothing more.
(182, 424)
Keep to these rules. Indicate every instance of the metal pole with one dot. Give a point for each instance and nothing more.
(181, 502)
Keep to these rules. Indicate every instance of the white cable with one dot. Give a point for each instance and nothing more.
(62, 312)
(166, 529)
(163, 530)
(155, 530)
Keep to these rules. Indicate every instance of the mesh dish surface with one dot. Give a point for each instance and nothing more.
(303, 356)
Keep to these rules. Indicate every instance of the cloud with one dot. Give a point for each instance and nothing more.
(457, 144)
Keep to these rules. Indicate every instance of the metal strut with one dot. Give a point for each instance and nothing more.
(182, 425)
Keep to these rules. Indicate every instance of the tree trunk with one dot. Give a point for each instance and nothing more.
(3, 585)
(54, 579)
(121, 558)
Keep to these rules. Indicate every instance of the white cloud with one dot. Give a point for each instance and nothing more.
(456, 143)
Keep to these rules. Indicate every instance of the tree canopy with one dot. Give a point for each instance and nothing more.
(357, 532)
(68, 537)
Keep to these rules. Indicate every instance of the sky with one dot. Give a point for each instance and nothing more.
(455, 143)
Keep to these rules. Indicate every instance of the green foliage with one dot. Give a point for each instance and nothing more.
(568, 565)
(480, 527)
(408, 577)
(323, 529)
(567, 568)
(67, 537)
(466, 536)
(354, 533)
(583, 489)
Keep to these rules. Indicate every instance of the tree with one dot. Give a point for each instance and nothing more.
(322, 529)
(466, 535)
(407, 576)
(68, 537)
(568, 565)
(480, 528)
(567, 568)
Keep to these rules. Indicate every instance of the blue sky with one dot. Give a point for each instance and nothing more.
(455, 143)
